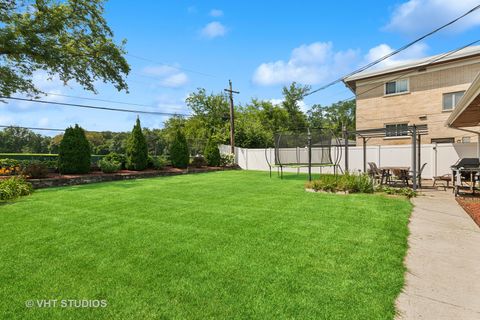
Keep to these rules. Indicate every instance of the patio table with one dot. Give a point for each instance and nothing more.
(388, 170)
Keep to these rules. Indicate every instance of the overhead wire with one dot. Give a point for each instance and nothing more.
(383, 58)
(95, 107)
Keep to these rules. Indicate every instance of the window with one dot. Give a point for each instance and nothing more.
(397, 86)
(451, 99)
(443, 140)
(396, 130)
(466, 140)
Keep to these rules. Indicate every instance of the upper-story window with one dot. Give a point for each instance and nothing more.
(397, 86)
(396, 130)
(451, 99)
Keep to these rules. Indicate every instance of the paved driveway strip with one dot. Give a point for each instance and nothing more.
(443, 262)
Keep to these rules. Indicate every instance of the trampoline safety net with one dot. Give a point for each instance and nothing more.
(291, 148)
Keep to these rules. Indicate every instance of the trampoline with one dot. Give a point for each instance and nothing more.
(304, 149)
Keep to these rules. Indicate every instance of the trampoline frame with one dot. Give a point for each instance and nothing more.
(331, 162)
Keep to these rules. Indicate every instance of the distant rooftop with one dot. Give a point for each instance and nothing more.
(464, 53)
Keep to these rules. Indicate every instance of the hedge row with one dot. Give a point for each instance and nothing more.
(41, 156)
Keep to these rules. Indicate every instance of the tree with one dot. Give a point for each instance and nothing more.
(69, 39)
(340, 114)
(16, 139)
(212, 113)
(212, 153)
(315, 116)
(74, 151)
(179, 155)
(137, 150)
(254, 128)
(292, 96)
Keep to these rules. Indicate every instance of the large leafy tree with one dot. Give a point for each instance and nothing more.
(69, 39)
(340, 114)
(211, 112)
(292, 96)
(15, 139)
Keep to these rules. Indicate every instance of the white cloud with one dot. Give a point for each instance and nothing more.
(169, 76)
(43, 122)
(420, 16)
(216, 13)
(175, 80)
(416, 51)
(6, 120)
(301, 103)
(308, 64)
(168, 103)
(213, 30)
(318, 63)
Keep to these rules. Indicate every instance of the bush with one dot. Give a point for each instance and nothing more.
(407, 192)
(212, 153)
(157, 162)
(198, 161)
(13, 188)
(351, 183)
(35, 170)
(179, 155)
(117, 157)
(137, 149)
(109, 166)
(9, 166)
(74, 152)
(227, 159)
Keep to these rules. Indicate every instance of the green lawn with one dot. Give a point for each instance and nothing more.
(223, 245)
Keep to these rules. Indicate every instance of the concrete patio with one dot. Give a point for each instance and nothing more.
(443, 261)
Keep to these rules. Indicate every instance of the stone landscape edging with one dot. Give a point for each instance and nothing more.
(89, 178)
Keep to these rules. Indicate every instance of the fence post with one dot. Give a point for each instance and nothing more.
(414, 157)
(345, 138)
(309, 155)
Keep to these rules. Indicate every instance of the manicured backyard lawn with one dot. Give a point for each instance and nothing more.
(226, 245)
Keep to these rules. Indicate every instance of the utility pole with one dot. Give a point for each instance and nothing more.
(232, 117)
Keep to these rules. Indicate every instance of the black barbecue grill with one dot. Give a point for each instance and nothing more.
(466, 169)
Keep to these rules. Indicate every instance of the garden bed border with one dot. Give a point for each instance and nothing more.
(71, 180)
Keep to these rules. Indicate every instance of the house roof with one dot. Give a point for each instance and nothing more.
(413, 64)
(467, 110)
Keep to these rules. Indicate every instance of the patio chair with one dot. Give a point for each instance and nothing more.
(376, 173)
(419, 175)
(445, 178)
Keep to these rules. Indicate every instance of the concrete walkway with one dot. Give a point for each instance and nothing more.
(443, 262)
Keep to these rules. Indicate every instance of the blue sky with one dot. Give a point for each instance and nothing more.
(260, 45)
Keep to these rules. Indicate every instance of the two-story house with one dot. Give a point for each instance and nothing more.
(420, 92)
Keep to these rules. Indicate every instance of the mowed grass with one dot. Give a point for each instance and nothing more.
(223, 245)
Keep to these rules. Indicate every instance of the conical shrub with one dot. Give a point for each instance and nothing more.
(74, 151)
(137, 149)
(179, 155)
(212, 153)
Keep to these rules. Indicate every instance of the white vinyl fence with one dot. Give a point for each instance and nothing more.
(439, 157)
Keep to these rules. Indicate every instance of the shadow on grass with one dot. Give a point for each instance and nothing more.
(296, 177)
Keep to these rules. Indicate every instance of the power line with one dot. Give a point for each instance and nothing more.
(172, 66)
(371, 64)
(32, 128)
(430, 62)
(106, 100)
(96, 107)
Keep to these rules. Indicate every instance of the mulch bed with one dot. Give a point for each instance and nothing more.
(471, 205)
(58, 180)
